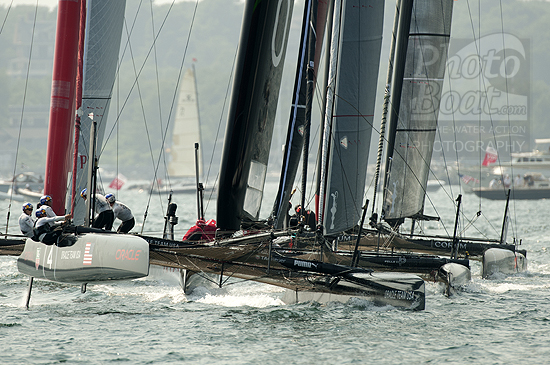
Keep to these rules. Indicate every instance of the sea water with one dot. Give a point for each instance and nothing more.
(503, 320)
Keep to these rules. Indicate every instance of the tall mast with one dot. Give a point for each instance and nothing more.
(79, 81)
(400, 57)
(62, 105)
(310, 79)
(295, 138)
(387, 94)
(328, 110)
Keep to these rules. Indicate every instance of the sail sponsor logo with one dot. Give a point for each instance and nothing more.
(499, 62)
(305, 264)
(400, 294)
(70, 255)
(161, 242)
(448, 245)
(127, 255)
(278, 43)
(344, 142)
(334, 208)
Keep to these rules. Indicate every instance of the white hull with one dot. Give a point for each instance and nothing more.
(94, 257)
(498, 260)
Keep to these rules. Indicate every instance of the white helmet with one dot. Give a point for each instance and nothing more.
(110, 198)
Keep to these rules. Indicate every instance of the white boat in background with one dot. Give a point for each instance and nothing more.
(536, 160)
(186, 131)
(534, 186)
(27, 180)
(185, 157)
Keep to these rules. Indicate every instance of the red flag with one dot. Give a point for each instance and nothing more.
(490, 156)
(117, 182)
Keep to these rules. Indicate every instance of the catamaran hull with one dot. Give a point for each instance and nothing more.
(498, 260)
(396, 289)
(92, 258)
(455, 276)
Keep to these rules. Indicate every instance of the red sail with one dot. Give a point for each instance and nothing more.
(62, 106)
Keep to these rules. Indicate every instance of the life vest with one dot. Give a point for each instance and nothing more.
(201, 231)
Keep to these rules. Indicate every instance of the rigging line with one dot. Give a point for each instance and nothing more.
(117, 74)
(476, 40)
(174, 96)
(227, 91)
(481, 70)
(508, 117)
(22, 114)
(144, 118)
(167, 176)
(479, 88)
(434, 113)
(450, 194)
(6, 18)
(140, 70)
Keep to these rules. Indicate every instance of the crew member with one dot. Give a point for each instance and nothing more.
(45, 229)
(46, 203)
(26, 221)
(309, 217)
(105, 216)
(122, 212)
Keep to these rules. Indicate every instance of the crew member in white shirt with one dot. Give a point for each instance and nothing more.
(105, 216)
(121, 212)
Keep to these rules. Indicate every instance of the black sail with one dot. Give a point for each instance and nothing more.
(251, 115)
(422, 46)
(356, 65)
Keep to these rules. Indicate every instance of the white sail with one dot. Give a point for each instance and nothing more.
(186, 131)
(101, 48)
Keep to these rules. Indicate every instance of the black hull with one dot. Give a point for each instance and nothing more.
(433, 245)
(253, 261)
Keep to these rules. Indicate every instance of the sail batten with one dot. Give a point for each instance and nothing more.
(358, 57)
(416, 107)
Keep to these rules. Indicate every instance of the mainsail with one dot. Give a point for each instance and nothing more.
(356, 47)
(186, 130)
(251, 115)
(421, 55)
(103, 35)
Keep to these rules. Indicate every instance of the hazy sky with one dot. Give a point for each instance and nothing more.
(53, 3)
